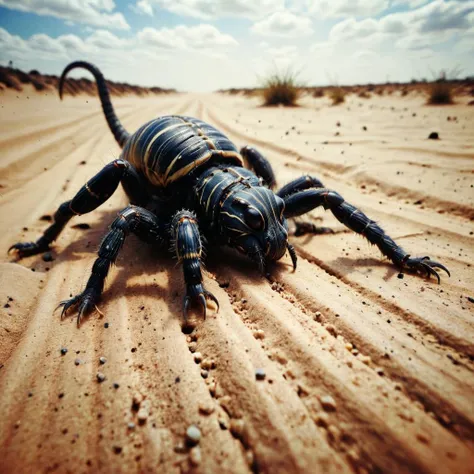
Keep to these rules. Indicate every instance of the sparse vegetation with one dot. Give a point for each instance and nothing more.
(440, 92)
(337, 95)
(280, 88)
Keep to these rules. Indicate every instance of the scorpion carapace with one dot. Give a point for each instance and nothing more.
(185, 179)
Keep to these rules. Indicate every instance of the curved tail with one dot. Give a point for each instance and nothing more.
(120, 134)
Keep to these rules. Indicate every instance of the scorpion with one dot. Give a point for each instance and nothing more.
(187, 185)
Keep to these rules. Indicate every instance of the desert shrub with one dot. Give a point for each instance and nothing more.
(440, 93)
(10, 80)
(280, 88)
(337, 95)
(318, 93)
(364, 95)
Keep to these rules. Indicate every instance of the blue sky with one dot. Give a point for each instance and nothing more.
(203, 45)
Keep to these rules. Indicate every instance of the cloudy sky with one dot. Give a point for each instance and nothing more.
(203, 45)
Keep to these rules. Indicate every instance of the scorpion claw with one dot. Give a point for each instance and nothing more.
(199, 294)
(25, 249)
(86, 301)
(426, 265)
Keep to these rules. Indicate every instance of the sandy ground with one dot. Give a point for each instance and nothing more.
(365, 372)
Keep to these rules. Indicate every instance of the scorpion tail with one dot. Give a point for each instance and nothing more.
(120, 134)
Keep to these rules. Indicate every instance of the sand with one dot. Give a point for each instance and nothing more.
(337, 367)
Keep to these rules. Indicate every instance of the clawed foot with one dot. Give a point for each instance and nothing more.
(425, 265)
(86, 300)
(25, 249)
(198, 293)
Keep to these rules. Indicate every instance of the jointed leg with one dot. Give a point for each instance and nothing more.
(186, 242)
(132, 219)
(303, 201)
(260, 165)
(300, 184)
(94, 193)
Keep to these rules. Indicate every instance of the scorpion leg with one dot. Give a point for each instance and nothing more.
(260, 165)
(300, 184)
(131, 219)
(306, 200)
(186, 241)
(94, 193)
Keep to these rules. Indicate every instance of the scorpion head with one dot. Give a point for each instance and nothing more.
(252, 220)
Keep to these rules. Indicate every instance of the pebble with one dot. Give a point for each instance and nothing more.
(144, 411)
(77, 362)
(204, 374)
(259, 334)
(192, 346)
(193, 435)
(48, 257)
(195, 456)
(131, 426)
(433, 136)
(322, 419)
(331, 330)
(206, 408)
(100, 377)
(328, 403)
(237, 427)
(102, 360)
(63, 351)
(197, 357)
(260, 374)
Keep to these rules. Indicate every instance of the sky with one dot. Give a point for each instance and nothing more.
(205, 45)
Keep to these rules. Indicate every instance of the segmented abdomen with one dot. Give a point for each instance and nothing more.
(169, 148)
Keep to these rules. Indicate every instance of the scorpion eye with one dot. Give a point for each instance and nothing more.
(254, 219)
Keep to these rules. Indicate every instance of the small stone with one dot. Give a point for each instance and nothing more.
(48, 257)
(331, 330)
(260, 374)
(365, 359)
(322, 419)
(400, 276)
(380, 371)
(63, 351)
(433, 136)
(349, 346)
(117, 449)
(77, 361)
(195, 456)
(102, 360)
(106, 325)
(328, 403)
(131, 426)
(100, 377)
(206, 408)
(144, 411)
(237, 427)
(197, 357)
(193, 435)
(116, 385)
(259, 334)
(192, 346)
(204, 374)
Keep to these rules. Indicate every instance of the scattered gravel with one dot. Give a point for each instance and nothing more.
(63, 351)
(77, 361)
(195, 456)
(433, 136)
(100, 377)
(102, 360)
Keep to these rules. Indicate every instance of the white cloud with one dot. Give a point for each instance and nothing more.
(92, 12)
(211, 9)
(347, 8)
(283, 24)
(433, 23)
(197, 38)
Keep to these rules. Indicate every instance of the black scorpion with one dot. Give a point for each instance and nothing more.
(184, 179)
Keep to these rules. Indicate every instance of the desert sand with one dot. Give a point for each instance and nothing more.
(365, 371)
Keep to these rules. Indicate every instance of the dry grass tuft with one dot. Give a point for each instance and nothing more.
(280, 88)
(440, 93)
(337, 95)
